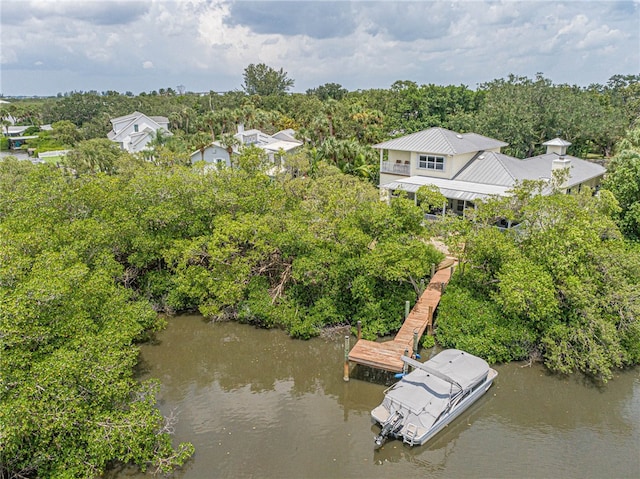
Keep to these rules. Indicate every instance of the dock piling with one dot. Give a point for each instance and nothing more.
(430, 321)
(346, 359)
(386, 355)
(404, 365)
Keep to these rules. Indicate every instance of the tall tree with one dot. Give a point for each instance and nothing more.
(70, 404)
(99, 155)
(527, 112)
(552, 290)
(623, 180)
(263, 80)
(333, 91)
(66, 133)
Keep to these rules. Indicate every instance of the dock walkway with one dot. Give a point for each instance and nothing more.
(387, 355)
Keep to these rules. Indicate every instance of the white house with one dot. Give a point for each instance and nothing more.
(213, 154)
(467, 167)
(133, 132)
(281, 142)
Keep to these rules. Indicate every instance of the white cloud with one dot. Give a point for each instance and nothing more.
(599, 38)
(206, 44)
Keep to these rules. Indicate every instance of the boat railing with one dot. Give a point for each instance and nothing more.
(457, 398)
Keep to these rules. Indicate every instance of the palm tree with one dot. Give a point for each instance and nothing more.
(6, 124)
(187, 113)
(176, 120)
(210, 119)
(229, 142)
(227, 118)
(200, 141)
(330, 108)
(315, 157)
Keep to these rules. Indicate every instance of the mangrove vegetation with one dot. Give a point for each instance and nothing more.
(94, 247)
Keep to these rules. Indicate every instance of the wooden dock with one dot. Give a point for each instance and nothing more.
(386, 355)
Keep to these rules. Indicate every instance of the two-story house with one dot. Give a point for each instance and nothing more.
(133, 132)
(274, 146)
(467, 167)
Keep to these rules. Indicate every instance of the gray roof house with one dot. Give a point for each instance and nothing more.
(469, 167)
(133, 132)
(282, 141)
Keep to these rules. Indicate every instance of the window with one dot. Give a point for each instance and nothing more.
(135, 128)
(250, 139)
(430, 162)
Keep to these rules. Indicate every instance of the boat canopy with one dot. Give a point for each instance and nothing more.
(423, 401)
(463, 368)
(429, 387)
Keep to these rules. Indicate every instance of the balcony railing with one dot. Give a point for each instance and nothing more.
(395, 167)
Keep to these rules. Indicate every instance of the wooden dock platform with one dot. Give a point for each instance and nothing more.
(387, 355)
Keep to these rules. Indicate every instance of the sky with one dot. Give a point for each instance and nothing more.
(57, 46)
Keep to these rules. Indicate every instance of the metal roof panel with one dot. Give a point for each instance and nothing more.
(461, 190)
(441, 141)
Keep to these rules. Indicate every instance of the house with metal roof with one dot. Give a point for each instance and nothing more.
(133, 132)
(469, 167)
(274, 146)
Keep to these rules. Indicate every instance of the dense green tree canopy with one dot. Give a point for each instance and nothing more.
(523, 112)
(527, 112)
(623, 180)
(94, 156)
(69, 404)
(87, 257)
(264, 80)
(90, 252)
(333, 91)
(563, 286)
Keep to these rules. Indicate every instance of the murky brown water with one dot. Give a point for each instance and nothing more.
(257, 404)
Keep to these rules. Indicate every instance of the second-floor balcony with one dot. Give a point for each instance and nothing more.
(395, 167)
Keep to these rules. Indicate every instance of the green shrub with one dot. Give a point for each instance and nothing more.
(477, 326)
(428, 341)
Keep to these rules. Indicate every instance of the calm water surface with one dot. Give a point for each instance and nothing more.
(257, 404)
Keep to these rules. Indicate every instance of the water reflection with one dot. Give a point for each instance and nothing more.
(256, 403)
(233, 357)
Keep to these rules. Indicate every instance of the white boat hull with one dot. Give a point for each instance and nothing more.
(462, 406)
(416, 435)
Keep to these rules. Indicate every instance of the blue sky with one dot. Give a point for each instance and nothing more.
(52, 46)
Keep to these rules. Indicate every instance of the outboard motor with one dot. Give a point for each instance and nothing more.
(390, 428)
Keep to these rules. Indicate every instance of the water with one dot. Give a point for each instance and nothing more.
(257, 404)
